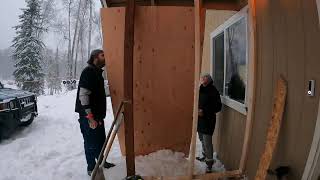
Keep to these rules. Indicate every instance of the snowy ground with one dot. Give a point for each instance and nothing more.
(51, 148)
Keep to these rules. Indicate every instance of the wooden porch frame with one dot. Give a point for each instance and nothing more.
(318, 6)
(233, 6)
(128, 86)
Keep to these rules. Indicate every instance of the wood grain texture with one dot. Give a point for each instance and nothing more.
(252, 82)
(197, 16)
(163, 70)
(273, 130)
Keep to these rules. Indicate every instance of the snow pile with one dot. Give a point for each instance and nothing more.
(51, 148)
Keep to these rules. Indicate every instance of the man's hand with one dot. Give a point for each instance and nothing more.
(92, 123)
(200, 112)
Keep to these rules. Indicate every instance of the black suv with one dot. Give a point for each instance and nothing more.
(17, 108)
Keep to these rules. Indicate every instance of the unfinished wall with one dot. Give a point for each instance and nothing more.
(163, 74)
(288, 39)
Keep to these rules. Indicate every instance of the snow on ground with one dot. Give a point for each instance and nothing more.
(51, 148)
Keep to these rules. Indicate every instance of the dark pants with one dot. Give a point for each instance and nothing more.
(207, 148)
(93, 141)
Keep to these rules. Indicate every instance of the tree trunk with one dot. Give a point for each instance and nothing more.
(90, 28)
(69, 71)
(75, 31)
(77, 52)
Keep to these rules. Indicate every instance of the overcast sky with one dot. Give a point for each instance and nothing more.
(9, 12)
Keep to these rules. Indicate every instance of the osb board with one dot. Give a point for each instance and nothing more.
(280, 51)
(214, 18)
(163, 74)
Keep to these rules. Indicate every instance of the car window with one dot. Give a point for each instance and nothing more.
(1, 86)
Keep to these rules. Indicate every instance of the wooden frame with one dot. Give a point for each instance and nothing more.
(198, 56)
(252, 82)
(128, 86)
(233, 6)
(129, 29)
(318, 5)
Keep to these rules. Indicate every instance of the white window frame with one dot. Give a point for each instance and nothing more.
(243, 13)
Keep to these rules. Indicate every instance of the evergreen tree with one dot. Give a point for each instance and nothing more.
(28, 48)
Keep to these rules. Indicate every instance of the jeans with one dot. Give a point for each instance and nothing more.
(207, 148)
(93, 141)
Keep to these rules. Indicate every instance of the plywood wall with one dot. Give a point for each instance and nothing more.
(163, 74)
(288, 39)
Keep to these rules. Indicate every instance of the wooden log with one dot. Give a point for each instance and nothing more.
(274, 129)
(128, 86)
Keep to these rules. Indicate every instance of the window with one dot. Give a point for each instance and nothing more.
(229, 52)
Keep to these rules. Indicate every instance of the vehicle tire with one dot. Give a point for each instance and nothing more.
(27, 123)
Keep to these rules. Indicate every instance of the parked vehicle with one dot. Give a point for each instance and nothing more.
(17, 108)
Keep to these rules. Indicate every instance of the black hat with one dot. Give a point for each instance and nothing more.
(93, 55)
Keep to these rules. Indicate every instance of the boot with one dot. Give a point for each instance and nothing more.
(108, 165)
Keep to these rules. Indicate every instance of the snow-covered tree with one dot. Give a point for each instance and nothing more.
(28, 48)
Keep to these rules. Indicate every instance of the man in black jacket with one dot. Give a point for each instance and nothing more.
(91, 106)
(209, 105)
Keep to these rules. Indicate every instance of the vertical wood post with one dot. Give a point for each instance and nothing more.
(252, 82)
(128, 86)
(197, 47)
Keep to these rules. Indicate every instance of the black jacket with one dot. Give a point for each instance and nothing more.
(91, 79)
(210, 103)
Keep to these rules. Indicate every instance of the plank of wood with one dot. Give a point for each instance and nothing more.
(252, 82)
(128, 86)
(208, 176)
(273, 130)
(318, 6)
(197, 48)
(232, 6)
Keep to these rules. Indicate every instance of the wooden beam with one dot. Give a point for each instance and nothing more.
(197, 48)
(202, 30)
(208, 176)
(252, 82)
(128, 86)
(318, 5)
(273, 130)
(223, 6)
